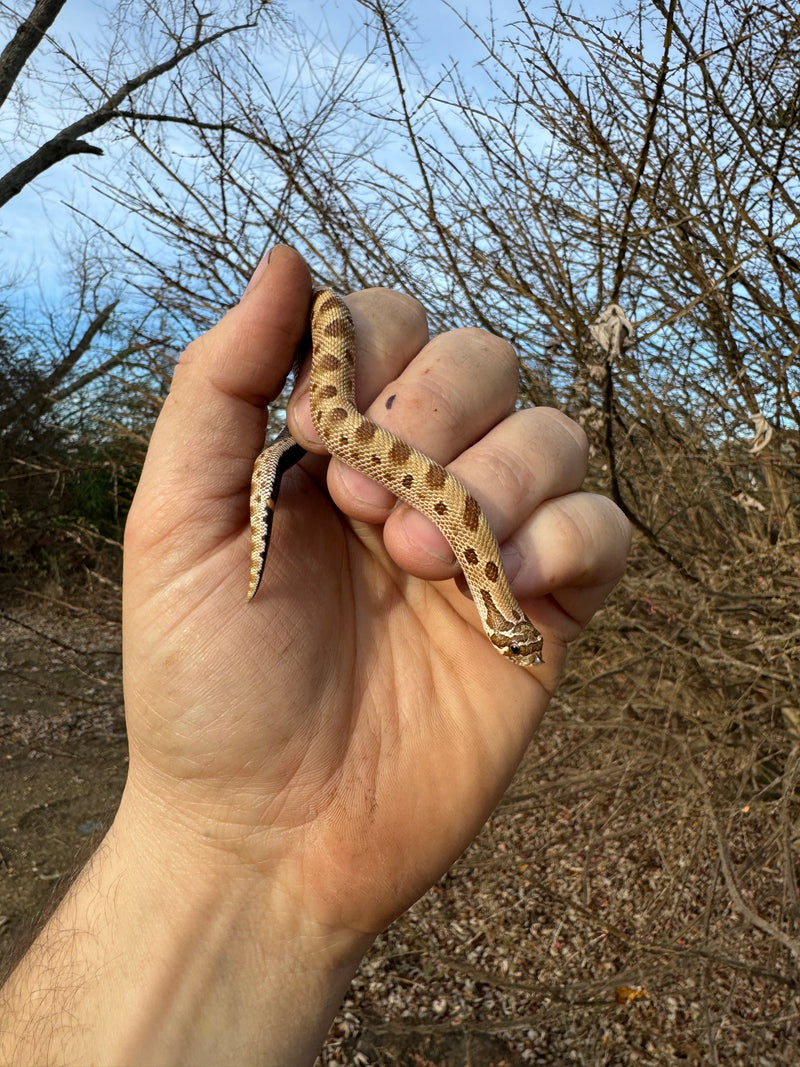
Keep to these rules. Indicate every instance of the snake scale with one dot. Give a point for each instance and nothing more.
(407, 473)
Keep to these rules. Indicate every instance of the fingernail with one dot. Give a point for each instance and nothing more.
(258, 272)
(512, 561)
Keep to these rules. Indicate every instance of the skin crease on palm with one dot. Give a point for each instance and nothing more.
(303, 767)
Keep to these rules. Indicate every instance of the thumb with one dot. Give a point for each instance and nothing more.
(193, 493)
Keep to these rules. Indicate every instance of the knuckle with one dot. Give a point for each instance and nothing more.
(488, 362)
(392, 304)
(494, 350)
(564, 424)
(503, 469)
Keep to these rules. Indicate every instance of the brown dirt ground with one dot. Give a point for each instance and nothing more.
(632, 901)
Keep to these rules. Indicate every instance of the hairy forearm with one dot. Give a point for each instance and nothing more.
(160, 955)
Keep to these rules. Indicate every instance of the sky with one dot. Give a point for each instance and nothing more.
(35, 227)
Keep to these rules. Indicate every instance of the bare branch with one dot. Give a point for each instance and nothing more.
(24, 43)
(69, 141)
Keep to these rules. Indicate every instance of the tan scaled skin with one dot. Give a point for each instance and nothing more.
(402, 469)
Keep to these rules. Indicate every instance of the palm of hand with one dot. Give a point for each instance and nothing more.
(349, 704)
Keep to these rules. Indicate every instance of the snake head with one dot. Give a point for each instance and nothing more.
(520, 642)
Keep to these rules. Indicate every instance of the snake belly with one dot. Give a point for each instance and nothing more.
(403, 470)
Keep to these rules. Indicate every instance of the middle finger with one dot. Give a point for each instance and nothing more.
(446, 397)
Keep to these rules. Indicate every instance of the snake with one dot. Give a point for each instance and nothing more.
(406, 472)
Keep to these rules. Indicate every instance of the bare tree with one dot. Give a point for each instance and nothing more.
(147, 54)
(62, 408)
(647, 160)
(184, 29)
(264, 159)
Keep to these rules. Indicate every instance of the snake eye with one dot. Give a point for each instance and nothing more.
(514, 650)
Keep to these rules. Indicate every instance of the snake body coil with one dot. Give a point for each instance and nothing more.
(407, 473)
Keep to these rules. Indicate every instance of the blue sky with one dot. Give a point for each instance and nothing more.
(35, 227)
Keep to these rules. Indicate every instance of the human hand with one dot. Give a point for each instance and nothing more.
(303, 766)
(350, 729)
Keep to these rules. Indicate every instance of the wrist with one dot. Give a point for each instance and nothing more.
(233, 942)
(168, 949)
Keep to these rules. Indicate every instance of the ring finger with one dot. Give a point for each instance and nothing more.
(531, 456)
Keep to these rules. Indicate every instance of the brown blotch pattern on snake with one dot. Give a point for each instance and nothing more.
(472, 513)
(399, 452)
(328, 362)
(365, 432)
(435, 476)
(414, 477)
